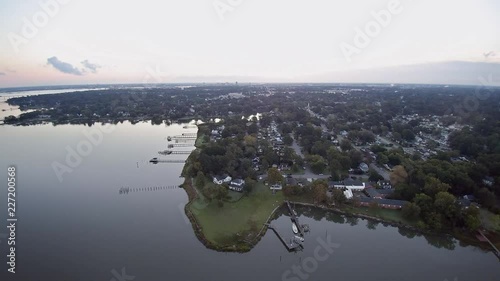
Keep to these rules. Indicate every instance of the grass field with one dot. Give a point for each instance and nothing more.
(239, 220)
(385, 214)
(489, 220)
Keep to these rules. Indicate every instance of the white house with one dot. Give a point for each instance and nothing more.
(276, 187)
(222, 179)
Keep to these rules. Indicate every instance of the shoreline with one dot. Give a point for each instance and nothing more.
(246, 246)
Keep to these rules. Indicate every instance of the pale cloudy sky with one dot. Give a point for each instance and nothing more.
(120, 41)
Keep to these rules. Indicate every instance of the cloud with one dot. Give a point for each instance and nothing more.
(63, 66)
(91, 66)
(2, 73)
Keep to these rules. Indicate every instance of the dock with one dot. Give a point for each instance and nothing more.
(291, 246)
(156, 161)
(171, 152)
(172, 145)
(295, 219)
(127, 190)
(182, 137)
(495, 249)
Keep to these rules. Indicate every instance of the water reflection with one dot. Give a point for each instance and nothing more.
(437, 241)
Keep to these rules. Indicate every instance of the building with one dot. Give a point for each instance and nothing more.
(364, 167)
(348, 183)
(384, 184)
(237, 185)
(373, 193)
(383, 203)
(276, 187)
(489, 181)
(222, 179)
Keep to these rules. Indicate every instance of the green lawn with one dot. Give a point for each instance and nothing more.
(236, 221)
(489, 220)
(385, 214)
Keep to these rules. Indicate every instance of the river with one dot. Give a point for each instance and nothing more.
(74, 225)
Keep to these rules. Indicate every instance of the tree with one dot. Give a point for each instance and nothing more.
(274, 176)
(200, 180)
(425, 203)
(319, 191)
(445, 204)
(249, 185)
(408, 135)
(433, 186)
(338, 197)
(471, 218)
(486, 197)
(345, 145)
(287, 139)
(374, 176)
(398, 175)
(411, 211)
(221, 194)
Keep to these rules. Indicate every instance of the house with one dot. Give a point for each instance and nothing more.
(354, 184)
(373, 193)
(276, 187)
(348, 194)
(364, 167)
(383, 203)
(218, 179)
(348, 183)
(384, 184)
(489, 181)
(222, 179)
(385, 192)
(237, 185)
(291, 181)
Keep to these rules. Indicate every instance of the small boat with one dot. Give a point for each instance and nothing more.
(154, 160)
(301, 239)
(294, 228)
(169, 138)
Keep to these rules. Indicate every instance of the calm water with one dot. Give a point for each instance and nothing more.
(83, 229)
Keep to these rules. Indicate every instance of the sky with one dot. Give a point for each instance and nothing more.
(63, 42)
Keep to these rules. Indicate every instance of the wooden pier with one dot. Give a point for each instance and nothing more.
(295, 219)
(172, 145)
(171, 152)
(127, 190)
(495, 249)
(291, 246)
(156, 161)
(181, 137)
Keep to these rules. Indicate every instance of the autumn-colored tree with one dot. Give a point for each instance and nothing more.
(398, 175)
(319, 191)
(274, 176)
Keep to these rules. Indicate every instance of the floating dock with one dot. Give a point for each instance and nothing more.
(495, 249)
(295, 219)
(292, 246)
